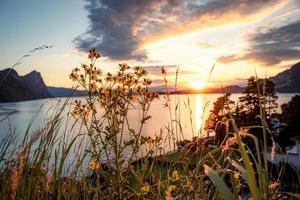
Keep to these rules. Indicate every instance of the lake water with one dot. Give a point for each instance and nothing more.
(192, 111)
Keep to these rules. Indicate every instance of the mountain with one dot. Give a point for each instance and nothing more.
(65, 92)
(226, 89)
(211, 90)
(14, 87)
(35, 83)
(288, 80)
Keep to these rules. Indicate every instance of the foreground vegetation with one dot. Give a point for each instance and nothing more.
(56, 163)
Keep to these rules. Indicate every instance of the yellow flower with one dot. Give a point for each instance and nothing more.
(123, 67)
(190, 185)
(73, 76)
(84, 115)
(93, 87)
(146, 188)
(120, 89)
(243, 132)
(93, 53)
(133, 98)
(171, 188)
(94, 165)
(147, 81)
(236, 175)
(84, 66)
(175, 175)
(76, 111)
(169, 192)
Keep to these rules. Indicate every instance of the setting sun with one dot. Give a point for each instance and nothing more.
(198, 85)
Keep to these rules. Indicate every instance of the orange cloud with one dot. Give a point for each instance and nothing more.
(211, 21)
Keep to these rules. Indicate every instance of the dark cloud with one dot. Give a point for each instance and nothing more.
(119, 27)
(270, 47)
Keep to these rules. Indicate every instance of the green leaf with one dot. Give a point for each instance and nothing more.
(294, 194)
(251, 179)
(219, 183)
(240, 168)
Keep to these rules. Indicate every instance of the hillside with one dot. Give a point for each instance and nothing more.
(19, 88)
(288, 80)
(65, 92)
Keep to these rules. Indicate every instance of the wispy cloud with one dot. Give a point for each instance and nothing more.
(121, 28)
(74, 52)
(205, 45)
(271, 46)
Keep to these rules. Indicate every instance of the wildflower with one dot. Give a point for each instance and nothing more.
(163, 71)
(140, 71)
(123, 67)
(236, 175)
(73, 76)
(93, 87)
(136, 69)
(230, 142)
(175, 175)
(120, 89)
(147, 81)
(106, 92)
(168, 195)
(190, 185)
(243, 132)
(98, 72)
(93, 53)
(94, 165)
(169, 192)
(274, 186)
(143, 72)
(109, 77)
(85, 113)
(171, 188)
(132, 98)
(146, 188)
(75, 111)
(84, 66)
(89, 71)
(82, 78)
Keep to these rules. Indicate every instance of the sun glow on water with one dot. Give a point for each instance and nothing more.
(199, 112)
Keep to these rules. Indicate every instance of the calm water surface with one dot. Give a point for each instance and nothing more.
(192, 111)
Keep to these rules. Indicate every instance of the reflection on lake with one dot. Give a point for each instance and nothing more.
(191, 112)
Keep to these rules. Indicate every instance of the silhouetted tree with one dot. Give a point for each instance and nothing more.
(258, 94)
(221, 108)
(290, 116)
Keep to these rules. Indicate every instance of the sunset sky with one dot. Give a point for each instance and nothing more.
(238, 36)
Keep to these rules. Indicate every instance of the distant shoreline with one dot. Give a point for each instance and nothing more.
(160, 93)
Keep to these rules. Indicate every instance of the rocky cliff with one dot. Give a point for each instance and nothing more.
(19, 88)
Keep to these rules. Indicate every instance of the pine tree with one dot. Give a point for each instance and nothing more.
(258, 94)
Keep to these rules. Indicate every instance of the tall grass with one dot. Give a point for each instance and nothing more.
(93, 150)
